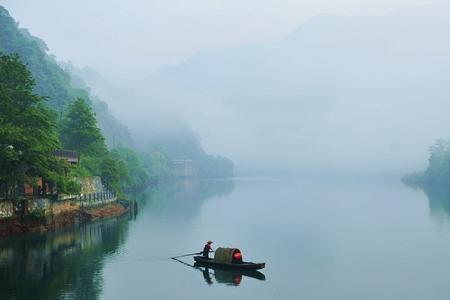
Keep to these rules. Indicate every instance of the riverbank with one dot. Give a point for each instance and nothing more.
(63, 215)
(110, 210)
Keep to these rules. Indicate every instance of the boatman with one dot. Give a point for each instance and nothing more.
(207, 249)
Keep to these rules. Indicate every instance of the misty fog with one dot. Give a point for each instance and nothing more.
(343, 89)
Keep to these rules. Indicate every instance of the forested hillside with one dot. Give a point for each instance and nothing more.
(52, 82)
(61, 84)
(44, 108)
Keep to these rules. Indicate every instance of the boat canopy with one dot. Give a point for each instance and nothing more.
(228, 255)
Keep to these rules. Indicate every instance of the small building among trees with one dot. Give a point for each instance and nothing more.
(70, 156)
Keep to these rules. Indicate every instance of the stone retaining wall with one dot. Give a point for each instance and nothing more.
(47, 207)
(91, 185)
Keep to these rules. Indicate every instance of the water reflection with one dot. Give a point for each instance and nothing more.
(207, 276)
(68, 264)
(184, 198)
(223, 275)
(59, 265)
(227, 276)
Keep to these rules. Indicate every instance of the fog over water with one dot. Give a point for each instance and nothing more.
(294, 86)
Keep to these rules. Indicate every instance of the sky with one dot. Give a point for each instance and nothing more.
(124, 40)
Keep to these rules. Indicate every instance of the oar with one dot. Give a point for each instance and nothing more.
(191, 254)
(185, 263)
(189, 265)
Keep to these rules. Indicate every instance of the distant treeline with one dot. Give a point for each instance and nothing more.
(437, 174)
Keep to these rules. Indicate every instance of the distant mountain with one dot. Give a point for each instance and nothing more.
(346, 93)
(52, 81)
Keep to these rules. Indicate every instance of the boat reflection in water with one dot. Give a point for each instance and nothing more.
(224, 275)
(227, 276)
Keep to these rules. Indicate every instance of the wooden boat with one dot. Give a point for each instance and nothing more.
(228, 258)
(243, 265)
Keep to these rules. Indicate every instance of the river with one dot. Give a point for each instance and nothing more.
(321, 239)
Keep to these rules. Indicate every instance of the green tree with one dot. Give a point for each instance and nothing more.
(79, 130)
(27, 128)
(438, 171)
(111, 172)
(158, 163)
(134, 175)
(58, 84)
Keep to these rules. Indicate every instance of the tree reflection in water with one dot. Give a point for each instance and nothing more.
(59, 265)
(68, 264)
(182, 198)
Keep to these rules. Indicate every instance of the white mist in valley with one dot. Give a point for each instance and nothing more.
(353, 88)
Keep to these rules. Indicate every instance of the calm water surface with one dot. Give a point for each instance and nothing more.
(320, 240)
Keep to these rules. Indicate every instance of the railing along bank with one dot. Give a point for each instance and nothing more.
(96, 199)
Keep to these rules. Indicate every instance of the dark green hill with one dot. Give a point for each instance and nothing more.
(52, 81)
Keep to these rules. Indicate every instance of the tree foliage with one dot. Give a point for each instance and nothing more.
(28, 133)
(112, 172)
(135, 176)
(27, 128)
(52, 81)
(438, 171)
(437, 174)
(79, 130)
(157, 163)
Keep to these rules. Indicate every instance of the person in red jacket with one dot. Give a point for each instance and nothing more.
(207, 249)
